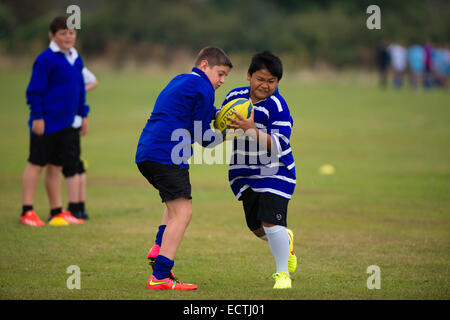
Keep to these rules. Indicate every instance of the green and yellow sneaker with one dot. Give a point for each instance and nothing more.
(282, 281)
(292, 262)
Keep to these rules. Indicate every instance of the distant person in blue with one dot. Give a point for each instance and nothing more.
(55, 94)
(447, 64)
(416, 61)
(265, 187)
(186, 99)
(439, 66)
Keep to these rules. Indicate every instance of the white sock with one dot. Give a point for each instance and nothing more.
(279, 245)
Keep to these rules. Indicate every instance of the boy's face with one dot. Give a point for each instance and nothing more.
(215, 74)
(262, 84)
(64, 38)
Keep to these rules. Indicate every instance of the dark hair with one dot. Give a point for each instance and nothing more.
(58, 23)
(266, 60)
(214, 56)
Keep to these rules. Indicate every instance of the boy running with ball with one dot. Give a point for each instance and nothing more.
(265, 187)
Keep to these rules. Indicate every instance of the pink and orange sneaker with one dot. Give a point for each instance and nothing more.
(67, 215)
(153, 253)
(30, 218)
(64, 218)
(151, 256)
(168, 284)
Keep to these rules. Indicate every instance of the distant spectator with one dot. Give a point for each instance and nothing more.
(438, 66)
(447, 63)
(416, 60)
(383, 62)
(428, 79)
(398, 56)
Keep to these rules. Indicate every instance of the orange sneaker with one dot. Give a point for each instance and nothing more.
(168, 284)
(30, 218)
(153, 253)
(64, 218)
(67, 215)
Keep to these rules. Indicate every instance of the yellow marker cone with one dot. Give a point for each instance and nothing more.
(327, 169)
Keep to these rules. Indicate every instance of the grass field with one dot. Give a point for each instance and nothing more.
(388, 204)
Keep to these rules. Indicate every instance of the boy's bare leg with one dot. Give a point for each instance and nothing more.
(29, 183)
(165, 217)
(179, 212)
(53, 185)
(73, 188)
(82, 189)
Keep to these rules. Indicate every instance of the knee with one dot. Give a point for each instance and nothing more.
(33, 168)
(259, 232)
(187, 215)
(182, 215)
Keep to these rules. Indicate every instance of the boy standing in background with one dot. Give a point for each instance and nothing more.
(55, 94)
(76, 176)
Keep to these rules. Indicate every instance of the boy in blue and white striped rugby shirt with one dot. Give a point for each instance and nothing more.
(262, 168)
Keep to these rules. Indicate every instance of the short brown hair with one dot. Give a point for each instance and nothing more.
(58, 23)
(214, 56)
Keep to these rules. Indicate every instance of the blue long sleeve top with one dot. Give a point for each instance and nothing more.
(183, 111)
(56, 91)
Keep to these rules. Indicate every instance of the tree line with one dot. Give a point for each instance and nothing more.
(332, 31)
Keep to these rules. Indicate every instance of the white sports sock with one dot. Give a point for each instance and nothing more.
(279, 245)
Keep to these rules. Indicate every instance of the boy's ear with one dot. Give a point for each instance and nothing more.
(249, 76)
(203, 65)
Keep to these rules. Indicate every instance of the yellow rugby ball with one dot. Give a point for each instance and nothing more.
(241, 106)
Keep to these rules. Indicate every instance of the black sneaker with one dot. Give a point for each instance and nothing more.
(76, 214)
(84, 215)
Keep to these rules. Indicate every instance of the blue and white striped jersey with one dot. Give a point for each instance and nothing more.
(252, 165)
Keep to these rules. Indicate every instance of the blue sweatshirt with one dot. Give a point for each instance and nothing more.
(186, 99)
(56, 92)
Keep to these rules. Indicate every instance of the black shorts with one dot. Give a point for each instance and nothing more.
(171, 181)
(267, 207)
(76, 166)
(52, 148)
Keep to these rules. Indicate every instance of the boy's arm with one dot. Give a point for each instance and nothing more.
(206, 113)
(36, 89)
(83, 108)
(248, 126)
(278, 129)
(90, 80)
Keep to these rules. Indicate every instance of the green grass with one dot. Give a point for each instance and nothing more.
(388, 203)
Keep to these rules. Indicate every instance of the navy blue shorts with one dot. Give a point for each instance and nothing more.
(76, 166)
(264, 207)
(52, 149)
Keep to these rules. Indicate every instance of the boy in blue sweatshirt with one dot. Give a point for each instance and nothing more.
(188, 98)
(55, 94)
